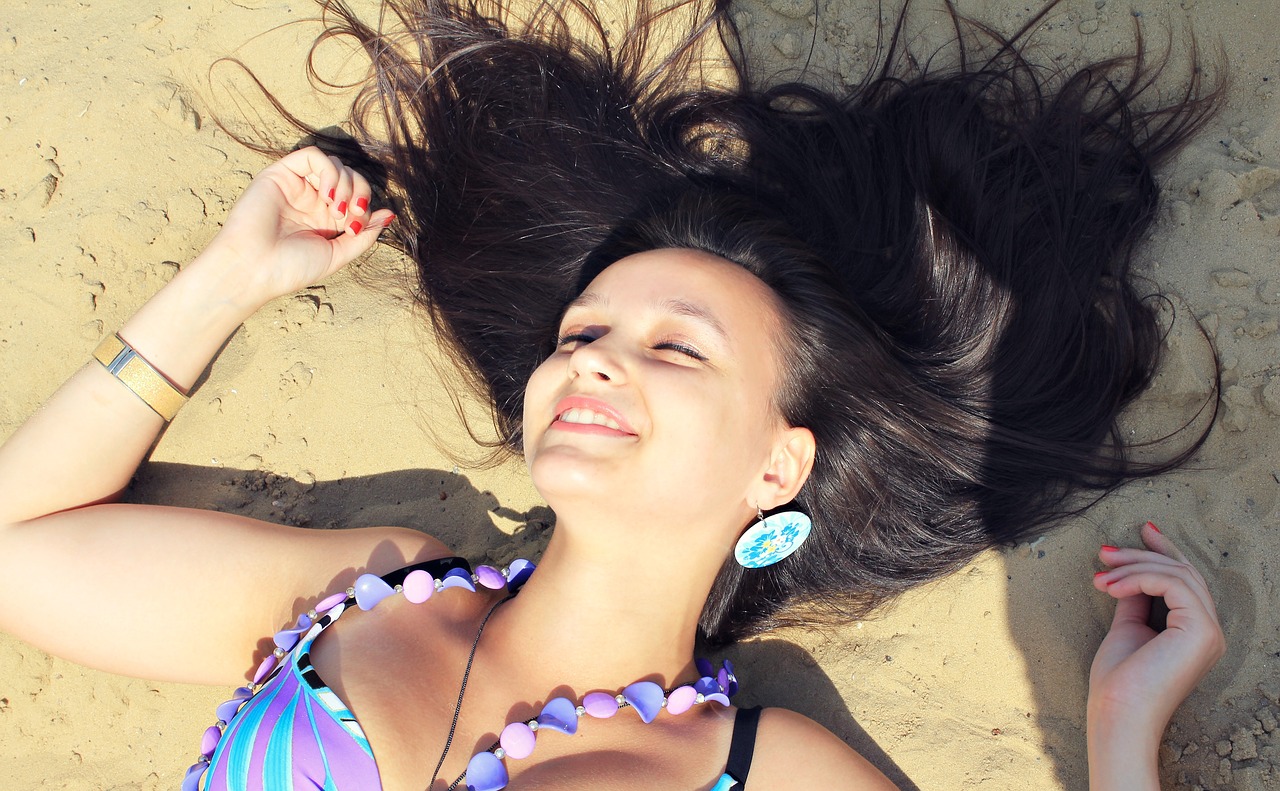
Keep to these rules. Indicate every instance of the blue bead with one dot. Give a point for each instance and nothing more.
(371, 589)
(192, 780)
(485, 772)
(559, 715)
(646, 698)
(457, 578)
(518, 572)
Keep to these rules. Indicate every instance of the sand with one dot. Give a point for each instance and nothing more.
(315, 413)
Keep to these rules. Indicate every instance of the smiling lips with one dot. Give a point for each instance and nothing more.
(590, 416)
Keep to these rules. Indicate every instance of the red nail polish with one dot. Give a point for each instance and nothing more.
(362, 204)
(1152, 525)
(332, 192)
(387, 223)
(342, 208)
(1109, 548)
(356, 227)
(1097, 574)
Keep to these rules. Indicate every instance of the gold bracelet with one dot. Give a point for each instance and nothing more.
(124, 363)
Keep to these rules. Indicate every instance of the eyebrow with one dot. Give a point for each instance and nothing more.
(678, 307)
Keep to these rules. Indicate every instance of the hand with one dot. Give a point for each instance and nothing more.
(302, 219)
(1139, 675)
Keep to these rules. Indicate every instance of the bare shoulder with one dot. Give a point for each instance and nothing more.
(827, 761)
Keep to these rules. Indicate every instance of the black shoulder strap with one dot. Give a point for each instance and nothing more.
(742, 747)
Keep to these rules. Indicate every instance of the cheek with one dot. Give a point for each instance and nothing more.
(536, 394)
(725, 438)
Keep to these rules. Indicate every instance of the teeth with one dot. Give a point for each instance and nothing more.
(589, 417)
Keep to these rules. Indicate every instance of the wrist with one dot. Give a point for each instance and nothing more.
(181, 328)
(225, 283)
(1123, 752)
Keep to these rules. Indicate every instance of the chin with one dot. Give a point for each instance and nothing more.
(566, 473)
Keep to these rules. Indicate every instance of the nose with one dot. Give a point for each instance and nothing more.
(597, 360)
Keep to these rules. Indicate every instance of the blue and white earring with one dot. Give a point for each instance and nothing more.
(771, 539)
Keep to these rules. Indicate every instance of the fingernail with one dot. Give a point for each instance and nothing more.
(362, 203)
(1097, 574)
(332, 192)
(387, 222)
(356, 226)
(342, 208)
(1152, 525)
(1109, 548)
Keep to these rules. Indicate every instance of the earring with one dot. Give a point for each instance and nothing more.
(772, 539)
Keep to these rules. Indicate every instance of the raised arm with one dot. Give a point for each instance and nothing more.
(166, 592)
(1141, 675)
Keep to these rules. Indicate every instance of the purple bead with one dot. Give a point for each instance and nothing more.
(733, 679)
(329, 602)
(419, 586)
(191, 782)
(518, 572)
(706, 685)
(490, 577)
(304, 622)
(227, 709)
(681, 699)
(705, 668)
(286, 639)
(210, 740)
(718, 697)
(371, 589)
(600, 705)
(559, 715)
(486, 772)
(722, 678)
(264, 669)
(518, 740)
(645, 697)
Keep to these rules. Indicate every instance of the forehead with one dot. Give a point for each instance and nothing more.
(681, 282)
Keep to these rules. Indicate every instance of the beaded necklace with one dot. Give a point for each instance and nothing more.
(486, 771)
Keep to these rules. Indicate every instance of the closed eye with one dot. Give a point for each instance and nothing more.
(675, 346)
(682, 349)
(574, 337)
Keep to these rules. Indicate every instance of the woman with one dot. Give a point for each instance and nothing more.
(902, 319)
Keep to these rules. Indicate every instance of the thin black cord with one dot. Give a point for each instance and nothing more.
(457, 708)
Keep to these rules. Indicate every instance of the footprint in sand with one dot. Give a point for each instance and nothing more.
(1250, 200)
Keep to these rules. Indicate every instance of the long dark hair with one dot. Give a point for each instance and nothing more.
(951, 247)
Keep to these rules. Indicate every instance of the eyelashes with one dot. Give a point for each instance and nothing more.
(675, 346)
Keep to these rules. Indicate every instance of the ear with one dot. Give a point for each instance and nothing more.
(788, 470)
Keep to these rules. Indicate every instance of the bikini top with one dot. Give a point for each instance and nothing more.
(295, 734)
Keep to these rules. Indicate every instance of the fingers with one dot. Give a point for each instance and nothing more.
(358, 238)
(1162, 551)
(340, 199)
(1159, 542)
(1135, 578)
(1132, 610)
(344, 191)
(1191, 614)
(1160, 571)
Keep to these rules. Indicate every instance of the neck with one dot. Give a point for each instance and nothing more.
(598, 620)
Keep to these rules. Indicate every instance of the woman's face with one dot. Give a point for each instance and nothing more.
(658, 401)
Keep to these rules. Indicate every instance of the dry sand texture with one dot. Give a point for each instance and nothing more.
(113, 176)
